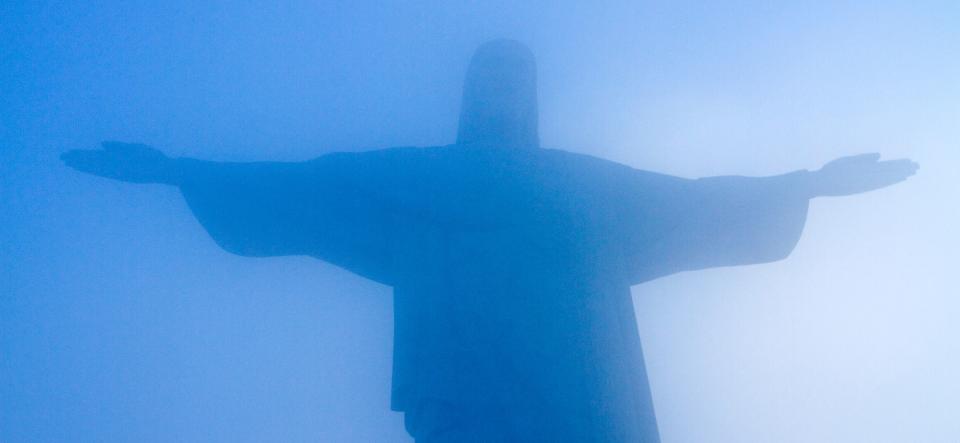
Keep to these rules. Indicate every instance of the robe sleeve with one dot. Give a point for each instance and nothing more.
(718, 221)
(338, 208)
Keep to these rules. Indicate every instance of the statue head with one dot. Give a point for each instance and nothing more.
(499, 105)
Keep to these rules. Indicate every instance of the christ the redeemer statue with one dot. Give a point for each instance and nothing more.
(511, 264)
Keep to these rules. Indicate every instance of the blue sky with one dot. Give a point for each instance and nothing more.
(121, 321)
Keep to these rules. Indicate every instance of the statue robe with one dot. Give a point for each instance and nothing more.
(511, 269)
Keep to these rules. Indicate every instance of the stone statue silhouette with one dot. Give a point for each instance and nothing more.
(511, 264)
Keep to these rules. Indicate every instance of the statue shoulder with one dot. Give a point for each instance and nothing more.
(374, 154)
(610, 170)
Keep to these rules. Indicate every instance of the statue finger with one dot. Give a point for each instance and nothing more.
(92, 162)
(900, 167)
(863, 158)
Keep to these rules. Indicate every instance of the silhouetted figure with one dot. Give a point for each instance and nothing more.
(511, 264)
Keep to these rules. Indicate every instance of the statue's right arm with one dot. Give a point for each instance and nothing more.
(733, 220)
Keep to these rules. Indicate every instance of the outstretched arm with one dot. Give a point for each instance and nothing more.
(731, 221)
(336, 207)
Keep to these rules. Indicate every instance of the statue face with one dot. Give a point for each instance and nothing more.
(500, 84)
(500, 96)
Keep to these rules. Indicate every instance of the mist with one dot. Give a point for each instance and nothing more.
(122, 320)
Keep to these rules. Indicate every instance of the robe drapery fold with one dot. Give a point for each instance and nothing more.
(511, 269)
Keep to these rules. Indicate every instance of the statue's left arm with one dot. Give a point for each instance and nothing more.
(731, 221)
(339, 207)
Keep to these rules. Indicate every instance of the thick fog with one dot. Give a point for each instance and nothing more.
(122, 320)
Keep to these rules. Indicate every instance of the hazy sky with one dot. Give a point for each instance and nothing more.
(120, 320)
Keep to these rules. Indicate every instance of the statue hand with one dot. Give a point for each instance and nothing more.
(860, 173)
(129, 162)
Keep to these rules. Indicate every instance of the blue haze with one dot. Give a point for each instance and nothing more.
(120, 320)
